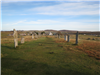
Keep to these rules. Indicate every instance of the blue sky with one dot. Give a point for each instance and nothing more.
(82, 15)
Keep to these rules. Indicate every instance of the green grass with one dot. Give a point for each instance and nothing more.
(34, 58)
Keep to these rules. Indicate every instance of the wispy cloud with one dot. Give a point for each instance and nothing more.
(15, 23)
(50, 0)
(80, 8)
(54, 15)
(53, 24)
(7, 1)
(38, 22)
(15, 1)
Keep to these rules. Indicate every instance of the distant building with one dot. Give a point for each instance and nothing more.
(84, 34)
(50, 33)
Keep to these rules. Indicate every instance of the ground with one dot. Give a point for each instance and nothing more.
(50, 56)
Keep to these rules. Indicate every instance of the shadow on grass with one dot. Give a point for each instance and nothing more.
(75, 44)
(46, 42)
(9, 47)
(24, 67)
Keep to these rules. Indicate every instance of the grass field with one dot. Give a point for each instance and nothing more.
(50, 56)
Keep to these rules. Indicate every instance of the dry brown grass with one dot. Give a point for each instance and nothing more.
(91, 48)
(11, 39)
(72, 40)
(49, 36)
(29, 38)
(7, 40)
(61, 40)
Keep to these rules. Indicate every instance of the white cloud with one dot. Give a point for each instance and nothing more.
(15, 23)
(15, 1)
(80, 8)
(38, 22)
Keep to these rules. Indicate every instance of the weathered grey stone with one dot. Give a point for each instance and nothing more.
(77, 37)
(39, 34)
(15, 35)
(22, 40)
(93, 39)
(97, 39)
(32, 36)
(88, 39)
(65, 37)
(36, 36)
(68, 38)
(43, 33)
(58, 36)
(55, 36)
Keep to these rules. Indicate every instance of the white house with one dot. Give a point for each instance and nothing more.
(50, 33)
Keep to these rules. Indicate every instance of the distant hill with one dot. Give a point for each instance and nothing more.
(55, 31)
(74, 31)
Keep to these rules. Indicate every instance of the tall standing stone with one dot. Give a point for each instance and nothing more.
(58, 36)
(55, 36)
(65, 37)
(22, 40)
(32, 36)
(15, 35)
(36, 35)
(68, 38)
(59, 33)
(43, 33)
(39, 34)
(77, 37)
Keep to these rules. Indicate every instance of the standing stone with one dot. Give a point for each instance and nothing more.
(58, 36)
(32, 36)
(88, 38)
(28, 34)
(77, 37)
(22, 40)
(39, 34)
(93, 39)
(68, 38)
(15, 35)
(55, 36)
(36, 35)
(43, 33)
(65, 37)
